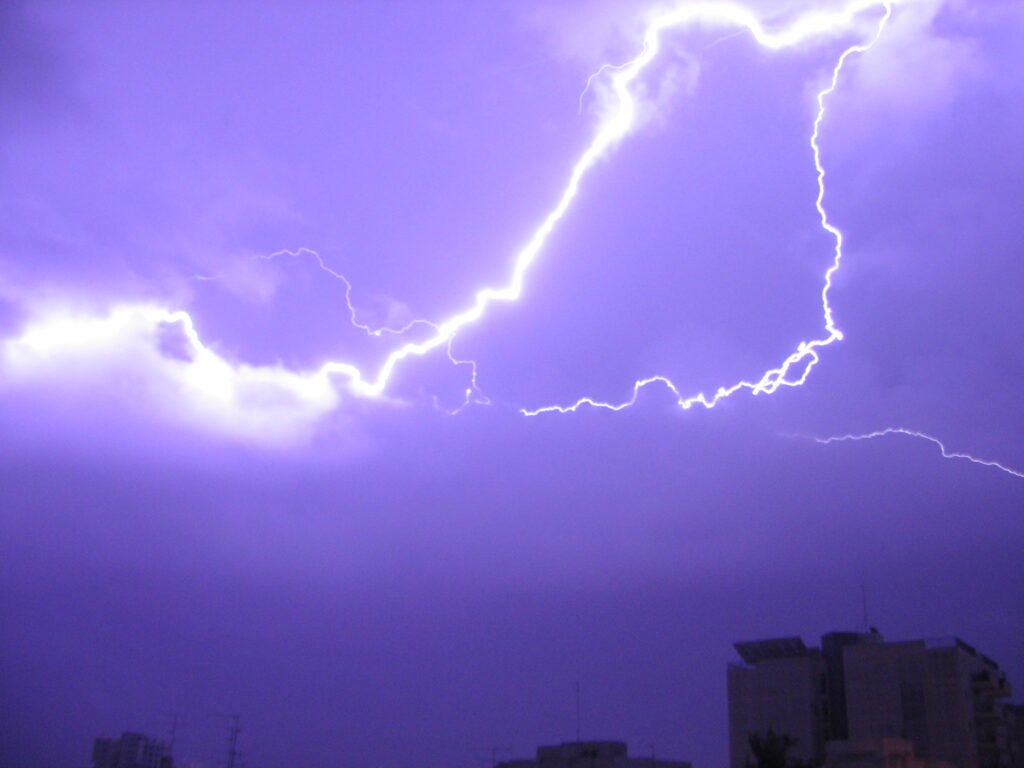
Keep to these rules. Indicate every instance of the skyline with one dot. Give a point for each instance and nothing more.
(226, 532)
(788, 660)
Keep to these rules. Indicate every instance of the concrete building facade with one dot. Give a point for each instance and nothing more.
(943, 698)
(886, 753)
(780, 688)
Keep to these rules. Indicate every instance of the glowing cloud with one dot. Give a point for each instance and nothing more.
(216, 388)
(151, 357)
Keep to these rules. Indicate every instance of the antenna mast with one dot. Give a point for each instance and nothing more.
(864, 606)
(577, 710)
(233, 757)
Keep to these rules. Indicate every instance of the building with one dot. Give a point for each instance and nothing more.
(132, 750)
(886, 753)
(787, 687)
(591, 754)
(1015, 728)
(858, 696)
(944, 696)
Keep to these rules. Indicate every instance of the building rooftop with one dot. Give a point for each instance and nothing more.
(755, 651)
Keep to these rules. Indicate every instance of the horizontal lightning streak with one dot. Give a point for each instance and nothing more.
(946, 453)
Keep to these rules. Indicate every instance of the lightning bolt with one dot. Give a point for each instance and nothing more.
(322, 265)
(946, 453)
(806, 353)
(369, 330)
(472, 394)
(213, 372)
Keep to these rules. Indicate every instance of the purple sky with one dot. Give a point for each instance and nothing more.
(377, 583)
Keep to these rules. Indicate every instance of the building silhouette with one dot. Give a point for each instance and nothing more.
(132, 750)
(590, 754)
(859, 701)
(886, 753)
(1015, 727)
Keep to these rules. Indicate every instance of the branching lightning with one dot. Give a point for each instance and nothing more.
(805, 357)
(946, 453)
(472, 394)
(369, 330)
(210, 370)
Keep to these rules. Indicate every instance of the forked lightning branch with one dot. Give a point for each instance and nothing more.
(218, 380)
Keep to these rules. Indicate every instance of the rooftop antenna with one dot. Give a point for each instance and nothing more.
(234, 756)
(233, 761)
(577, 710)
(864, 606)
(174, 731)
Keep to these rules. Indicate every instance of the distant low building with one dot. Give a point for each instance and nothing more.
(591, 754)
(857, 697)
(132, 750)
